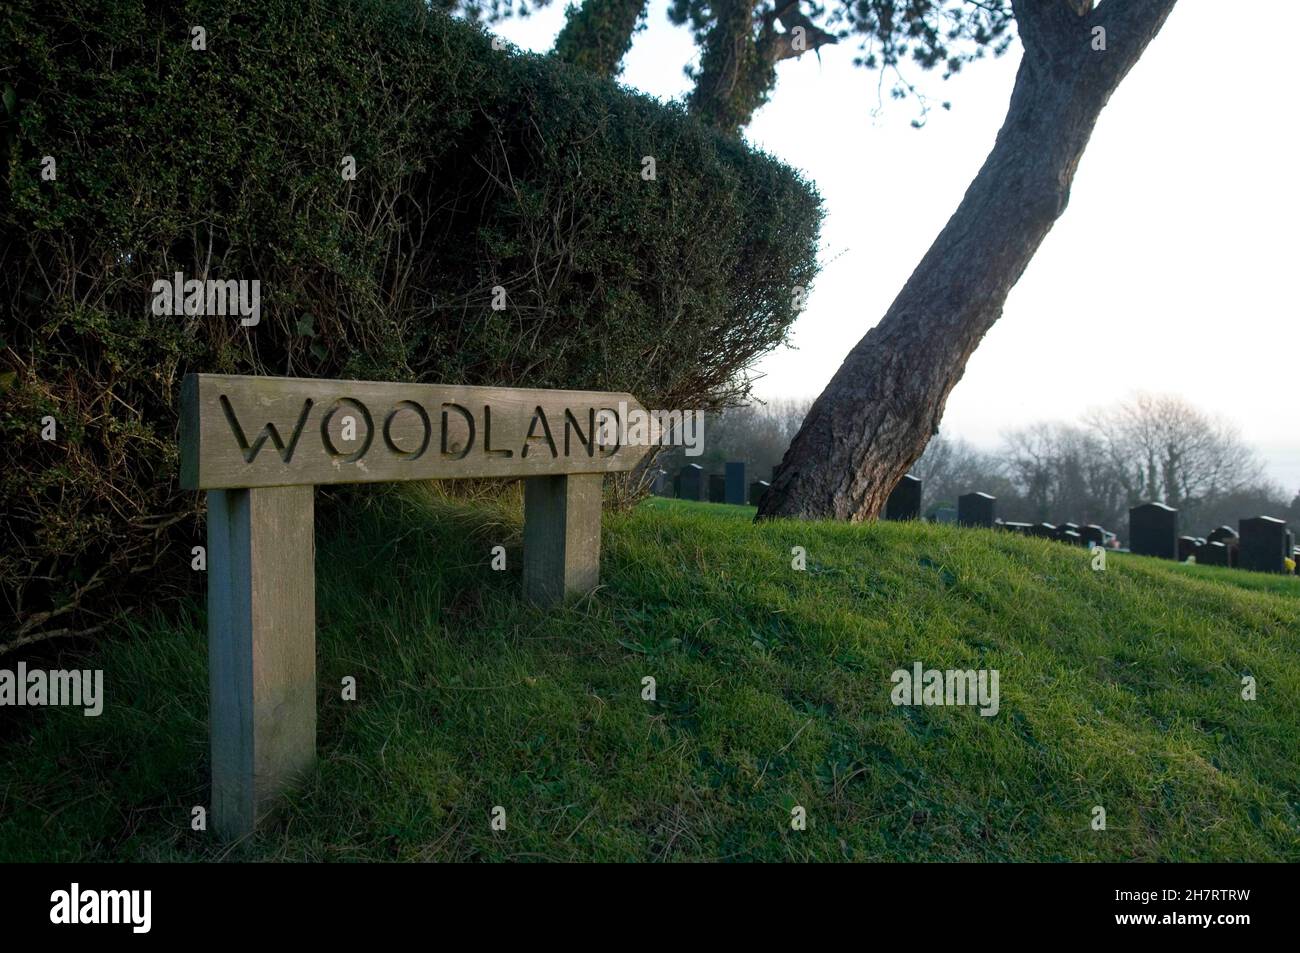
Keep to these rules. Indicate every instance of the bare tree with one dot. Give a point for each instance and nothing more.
(949, 468)
(1164, 449)
(1064, 473)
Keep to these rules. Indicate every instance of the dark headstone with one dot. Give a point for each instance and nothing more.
(904, 502)
(1212, 554)
(1263, 544)
(1223, 534)
(1043, 530)
(1093, 535)
(690, 482)
(1153, 530)
(1065, 529)
(659, 483)
(756, 491)
(1021, 528)
(735, 478)
(717, 488)
(975, 509)
(1186, 547)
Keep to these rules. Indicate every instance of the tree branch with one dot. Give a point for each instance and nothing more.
(1130, 27)
(1045, 26)
(597, 35)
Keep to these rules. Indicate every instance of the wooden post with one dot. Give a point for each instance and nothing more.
(561, 536)
(261, 648)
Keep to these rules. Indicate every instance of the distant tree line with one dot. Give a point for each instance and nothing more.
(1150, 447)
(756, 434)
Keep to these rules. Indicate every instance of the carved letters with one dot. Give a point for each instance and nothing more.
(273, 431)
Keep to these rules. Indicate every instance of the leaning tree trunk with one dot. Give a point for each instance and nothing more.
(880, 409)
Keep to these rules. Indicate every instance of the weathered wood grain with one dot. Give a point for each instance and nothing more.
(561, 536)
(261, 649)
(281, 431)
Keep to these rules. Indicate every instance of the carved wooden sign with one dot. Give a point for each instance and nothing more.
(285, 431)
(258, 445)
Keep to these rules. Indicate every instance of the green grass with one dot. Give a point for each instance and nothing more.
(1120, 689)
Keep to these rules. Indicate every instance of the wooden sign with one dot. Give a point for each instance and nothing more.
(286, 431)
(259, 444)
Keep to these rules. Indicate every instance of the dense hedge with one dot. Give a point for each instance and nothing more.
(475, 168)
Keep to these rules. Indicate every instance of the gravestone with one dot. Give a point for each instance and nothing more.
(756, 491)
(1263, 544)
(735, 477)
(1043, 530)
(904, 501)
(1063, 531)
(1186, 547)
(976, 509)
(1093, 535)
(1014, 527)
(259, 445)
(659, 484)
(1153, 530)
(1228, 537)
(717, 488)
(1212, 554)
(690, 482)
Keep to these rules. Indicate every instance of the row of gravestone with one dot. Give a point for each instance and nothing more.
(980, 509)
(1261, 543)
(692, 483)
(1264, 543)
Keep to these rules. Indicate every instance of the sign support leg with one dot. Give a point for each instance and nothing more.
(261, 649)
(561, 536)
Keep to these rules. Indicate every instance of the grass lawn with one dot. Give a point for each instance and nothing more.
(1119, 688)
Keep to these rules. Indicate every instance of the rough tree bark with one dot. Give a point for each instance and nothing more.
(879, 411)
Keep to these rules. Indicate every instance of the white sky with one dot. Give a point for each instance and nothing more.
(1173, 269)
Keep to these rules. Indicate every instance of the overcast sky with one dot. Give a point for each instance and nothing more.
(1173, 270)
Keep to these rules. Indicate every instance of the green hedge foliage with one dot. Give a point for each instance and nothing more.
(476, 168)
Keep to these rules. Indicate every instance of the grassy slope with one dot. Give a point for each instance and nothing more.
(1119, 689)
